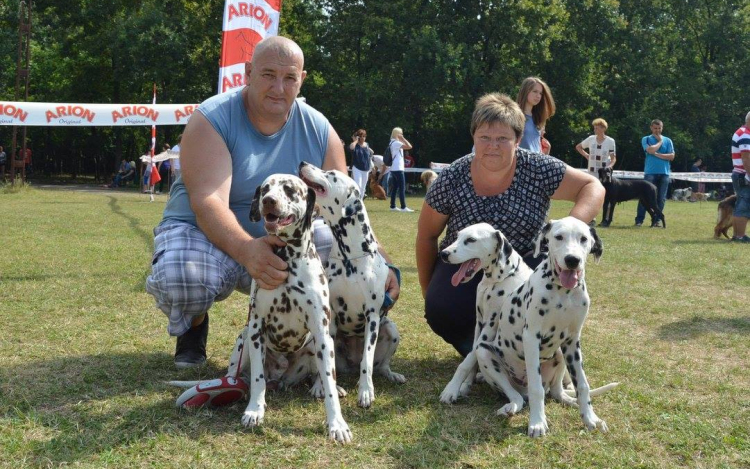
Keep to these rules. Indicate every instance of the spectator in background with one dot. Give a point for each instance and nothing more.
(545, 145)
(361, 160)
(600, 151)
(176, 161)
(3, 160)
(535, 100)
(741, 180)
(696, 168)
(659, 151)
(165, 170)
(398, 181)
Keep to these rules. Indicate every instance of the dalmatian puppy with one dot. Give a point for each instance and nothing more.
(539, 332)
(479, 248)
(365, 338)
(295, 314)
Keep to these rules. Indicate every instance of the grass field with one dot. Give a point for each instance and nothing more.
(85, 355)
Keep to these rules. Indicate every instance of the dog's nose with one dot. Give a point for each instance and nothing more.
(444, 256)
(571, 262)
(269, 201)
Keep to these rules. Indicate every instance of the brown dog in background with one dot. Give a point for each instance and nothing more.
(428, 177)
(725, 216)
(375, 190)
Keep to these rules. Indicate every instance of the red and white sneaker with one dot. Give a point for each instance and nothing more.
(215, 393)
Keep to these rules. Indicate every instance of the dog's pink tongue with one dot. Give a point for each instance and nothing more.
(569, 278)
(458, 276)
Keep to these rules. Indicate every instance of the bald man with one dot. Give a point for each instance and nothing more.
(205, 246)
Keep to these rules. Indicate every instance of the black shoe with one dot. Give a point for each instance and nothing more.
(191, 346)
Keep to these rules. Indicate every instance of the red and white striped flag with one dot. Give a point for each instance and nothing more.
(245, 25)
(154, 178)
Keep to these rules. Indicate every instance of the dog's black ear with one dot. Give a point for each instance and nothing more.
(541, 242)
(255, 206)
(310, 210)
(352, 204)
(597, 247)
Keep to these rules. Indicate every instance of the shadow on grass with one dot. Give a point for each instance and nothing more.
(133, 222)
(701, 241)
(699, 325)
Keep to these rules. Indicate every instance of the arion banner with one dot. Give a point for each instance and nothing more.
(245, 25)
(82, 115)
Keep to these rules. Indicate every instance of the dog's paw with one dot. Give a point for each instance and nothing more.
(317, 391)
(450, 394)
(510, 409)
(479, 378)
(341, 391)
(366, 397)
(393, 376)
(252, 418)
(538, 427)
(594, 422)
(339, 431)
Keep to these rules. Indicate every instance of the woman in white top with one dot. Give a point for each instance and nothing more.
(398, 180)
(600, 149)
(361, 160)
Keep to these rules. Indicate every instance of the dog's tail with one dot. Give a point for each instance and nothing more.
(594, 392)
(185, 384)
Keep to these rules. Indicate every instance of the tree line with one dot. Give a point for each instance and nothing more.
(417, 64)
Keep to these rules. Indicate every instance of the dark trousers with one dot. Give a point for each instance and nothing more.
(398, 183)
(451, 311)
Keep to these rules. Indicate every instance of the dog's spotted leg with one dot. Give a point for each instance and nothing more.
(237, 352)
(574, 362)
(388, 341)
(537, 419)
(338, 430)
(255, 347)
(489, 359)
(557, 387)
(366, 387)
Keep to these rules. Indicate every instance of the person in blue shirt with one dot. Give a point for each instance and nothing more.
(535, 100)
(659, 151)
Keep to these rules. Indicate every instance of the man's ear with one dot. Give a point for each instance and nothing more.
(352, 204)
(255, 206)
(541, 242)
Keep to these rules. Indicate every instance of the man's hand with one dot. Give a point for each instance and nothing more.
(263, 265)
(392, 287)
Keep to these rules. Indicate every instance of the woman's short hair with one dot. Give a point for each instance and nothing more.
(361, 133)
(600, 121)
(546, 107)
(497, 108)
(396, 132)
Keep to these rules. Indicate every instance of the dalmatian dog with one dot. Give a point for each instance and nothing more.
(366, 339)
(479, 248)
(539, 330)
(295, 314)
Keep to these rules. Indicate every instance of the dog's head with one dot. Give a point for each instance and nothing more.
(337, 193)
(285, 204)
(477, 247)
(569, 241)
(605, 175)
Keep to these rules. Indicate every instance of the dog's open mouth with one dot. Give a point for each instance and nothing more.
(320, 191)
(465, 272)
(568, 277)
(273, 222)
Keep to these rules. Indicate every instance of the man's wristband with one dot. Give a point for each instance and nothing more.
(396, 271)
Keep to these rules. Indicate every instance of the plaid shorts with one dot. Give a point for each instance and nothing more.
(189, 273)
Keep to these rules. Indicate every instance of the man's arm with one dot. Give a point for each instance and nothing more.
(207, 172)
(745, 155)
(334, 157)
(669, 156)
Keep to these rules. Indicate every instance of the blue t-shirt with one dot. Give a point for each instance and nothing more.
(532, 138)
(655, 165)
(255, 156)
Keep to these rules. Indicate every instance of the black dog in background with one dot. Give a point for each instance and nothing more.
(628, 189)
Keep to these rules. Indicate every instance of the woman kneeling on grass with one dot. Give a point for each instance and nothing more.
(503, 185)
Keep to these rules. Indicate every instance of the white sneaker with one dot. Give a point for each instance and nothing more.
(407, 209)
(395, 209)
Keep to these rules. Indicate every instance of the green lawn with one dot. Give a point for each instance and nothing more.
(85, 354)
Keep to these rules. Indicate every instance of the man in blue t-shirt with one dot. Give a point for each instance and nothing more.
(205, 246)
(659, 152)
